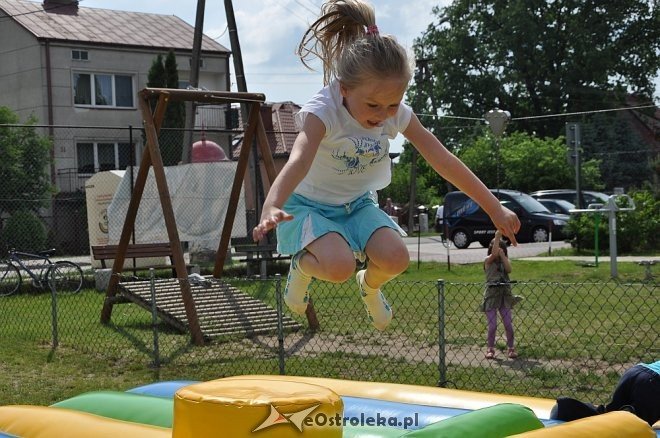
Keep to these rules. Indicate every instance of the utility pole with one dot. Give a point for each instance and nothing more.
(497, 120)
(194, 80)
(422, 73)
(235, 49)
(241, 84)
(574, 142)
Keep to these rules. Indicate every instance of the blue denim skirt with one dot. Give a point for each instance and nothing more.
(355, 221)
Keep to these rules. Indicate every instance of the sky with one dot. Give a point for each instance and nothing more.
(269, 32)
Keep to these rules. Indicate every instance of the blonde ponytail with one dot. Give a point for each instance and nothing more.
(346, 40)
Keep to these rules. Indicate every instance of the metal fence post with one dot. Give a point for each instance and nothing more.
(442, 354)
(154, 318)
(280, 323)
(53, 313)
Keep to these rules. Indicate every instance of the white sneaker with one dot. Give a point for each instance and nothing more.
(296, 291)
(378, 310)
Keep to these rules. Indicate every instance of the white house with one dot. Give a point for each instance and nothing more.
(78, 71)
(76, 66)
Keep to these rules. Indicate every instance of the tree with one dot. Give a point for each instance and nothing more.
(526, 163)
(24, 160)
(625, 160)
(156, 76)
(535, 57)
(164, 74)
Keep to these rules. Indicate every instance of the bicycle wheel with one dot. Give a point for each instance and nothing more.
(67, 277)
(10, 279)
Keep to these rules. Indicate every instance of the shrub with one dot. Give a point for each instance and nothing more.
(23, 231)
(637, 230)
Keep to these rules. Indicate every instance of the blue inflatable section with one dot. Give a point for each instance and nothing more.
(421, 415)
(354, 407)
(162, 389)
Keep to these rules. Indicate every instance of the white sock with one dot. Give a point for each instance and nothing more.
(296, 294)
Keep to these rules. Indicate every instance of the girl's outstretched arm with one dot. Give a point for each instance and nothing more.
(300, 160)
(453, 170)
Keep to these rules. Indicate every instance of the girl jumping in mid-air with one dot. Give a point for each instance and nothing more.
(323, 202)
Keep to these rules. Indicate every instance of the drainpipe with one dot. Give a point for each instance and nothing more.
(49, 106)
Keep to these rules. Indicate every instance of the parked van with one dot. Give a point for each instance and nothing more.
(467, 222)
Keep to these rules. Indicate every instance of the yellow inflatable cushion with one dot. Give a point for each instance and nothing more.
(45, 422)
(256, 407)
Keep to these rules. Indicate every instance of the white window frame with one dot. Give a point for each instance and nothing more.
(92, 75)
(95, 150)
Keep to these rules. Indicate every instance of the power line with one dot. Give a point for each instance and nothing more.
(450, 117)
(223, 32)
(306, 7)
(638, 151)
(546, 116)
(304, 20)
(285, 74)
(579, 113)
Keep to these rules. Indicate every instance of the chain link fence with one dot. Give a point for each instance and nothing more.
(68, 205)
(572, 338)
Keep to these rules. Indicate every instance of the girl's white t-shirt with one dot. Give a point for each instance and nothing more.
(351, 160)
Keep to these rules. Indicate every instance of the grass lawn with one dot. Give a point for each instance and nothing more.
(119, 356)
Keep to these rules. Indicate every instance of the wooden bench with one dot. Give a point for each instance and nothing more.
(137, 251)
(256, 255)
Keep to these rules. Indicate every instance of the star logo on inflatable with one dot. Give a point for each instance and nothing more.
(276, 417)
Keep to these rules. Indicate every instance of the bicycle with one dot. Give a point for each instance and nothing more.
(65, 276)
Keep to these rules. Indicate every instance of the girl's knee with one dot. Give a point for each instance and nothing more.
(393, 263)
(339, 270)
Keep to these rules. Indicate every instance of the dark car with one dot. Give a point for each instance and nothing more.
(588, 196)
(557, 205)
(467, 222)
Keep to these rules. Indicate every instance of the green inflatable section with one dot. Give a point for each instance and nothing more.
(136, 408)
(495, 421)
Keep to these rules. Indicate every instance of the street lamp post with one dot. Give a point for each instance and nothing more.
(498, 120)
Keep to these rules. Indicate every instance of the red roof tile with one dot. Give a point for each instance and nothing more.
(104, 26)
(280, 127)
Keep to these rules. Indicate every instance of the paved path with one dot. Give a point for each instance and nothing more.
(432, 249)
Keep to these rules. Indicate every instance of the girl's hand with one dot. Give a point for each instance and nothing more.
(269, 220)
(507, 223)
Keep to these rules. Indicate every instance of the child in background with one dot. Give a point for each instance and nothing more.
(323, 202)
(497, 295)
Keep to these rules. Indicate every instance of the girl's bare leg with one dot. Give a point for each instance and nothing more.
(388, 257)
(327, 258)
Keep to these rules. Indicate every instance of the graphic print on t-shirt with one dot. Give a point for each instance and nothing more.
(357, 154)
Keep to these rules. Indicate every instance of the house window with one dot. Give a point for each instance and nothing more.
(80, 55)
(99, 156)
(201, 62)
(103, 90)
